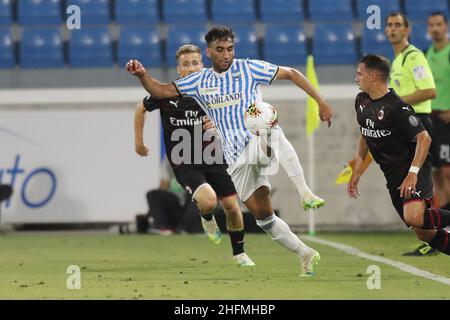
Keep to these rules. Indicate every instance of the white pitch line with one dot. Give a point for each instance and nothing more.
(399, 265)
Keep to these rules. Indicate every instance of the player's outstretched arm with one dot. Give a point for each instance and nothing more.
(157, 89)
(361, 154)
(408, 185)
(287, 73)
(139, 121)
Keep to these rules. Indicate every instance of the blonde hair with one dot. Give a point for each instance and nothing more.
(187, 48)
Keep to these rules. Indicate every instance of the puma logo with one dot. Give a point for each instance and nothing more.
(175, 103)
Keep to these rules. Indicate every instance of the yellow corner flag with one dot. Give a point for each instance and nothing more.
(346, 174)
(312, 109)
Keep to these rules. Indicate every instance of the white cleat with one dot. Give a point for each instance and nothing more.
(243, 260)
(212, 230)
(308, 262)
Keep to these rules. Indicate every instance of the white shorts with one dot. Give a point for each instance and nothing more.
(250, 171)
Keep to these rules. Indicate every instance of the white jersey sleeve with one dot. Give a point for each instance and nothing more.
(262, 72)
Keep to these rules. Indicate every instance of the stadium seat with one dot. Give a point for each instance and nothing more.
(180, 35)
(285, 45)
(185, 11)
(246, 43)
(90, 48)
(134, 12)
(375, 41)
(386, 7)
(7, 59)
(330, 10)
(233, 11)
(139, 43)
(419, 36)
(6, 17)
(419, 9)
(93, 12)
(334, 44)
(41, 48)
(39, 12)
(282, 11)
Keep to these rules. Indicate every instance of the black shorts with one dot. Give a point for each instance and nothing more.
(440, 146)
(216, 175)
(424, 187)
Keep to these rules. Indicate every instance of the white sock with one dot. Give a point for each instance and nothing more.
(280, 232)
(288, 158)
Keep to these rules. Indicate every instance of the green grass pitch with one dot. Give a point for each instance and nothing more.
(190, 267)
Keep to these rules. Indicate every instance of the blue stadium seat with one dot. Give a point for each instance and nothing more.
(246, 43)
(419, 36)
(139, 43)
(90, 48)
(330, 10)
(7, 59)
(282, 11)
(180, 35)
(6, 17)
(386, 7)
(134, 12)
(233, 11)
(285, 45)
(39, 12)
(93, 12)
(375, 41)
(419, 9)
(41, 48)
(185, 11)
(334, 44)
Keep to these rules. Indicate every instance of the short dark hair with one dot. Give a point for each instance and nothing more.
(439, 13)
(219, 33)
(379, 63)
(395, 14)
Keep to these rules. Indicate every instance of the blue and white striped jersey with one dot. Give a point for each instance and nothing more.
(225, 97)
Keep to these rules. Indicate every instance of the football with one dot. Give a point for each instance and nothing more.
(260, 117)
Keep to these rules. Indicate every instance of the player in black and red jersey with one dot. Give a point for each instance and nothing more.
(196, 157)
(399, 143)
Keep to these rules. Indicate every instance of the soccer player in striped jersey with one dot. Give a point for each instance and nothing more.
(225, 91)
(205, 181)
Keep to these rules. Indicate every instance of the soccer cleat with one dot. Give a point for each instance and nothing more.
(212, 230)
(312, 203)
(308, 264)
(243, 260)
(421, 250)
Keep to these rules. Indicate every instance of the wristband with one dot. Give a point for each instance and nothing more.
(414, 169)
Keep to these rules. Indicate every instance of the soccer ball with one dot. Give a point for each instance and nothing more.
(260, 117)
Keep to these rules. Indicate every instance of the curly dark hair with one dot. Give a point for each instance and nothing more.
(219, 33)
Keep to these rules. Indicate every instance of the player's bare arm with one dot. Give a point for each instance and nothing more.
(445, 116)
(408, 185)
(157, 89)
(139, 121)
(419, 96)
(287, 73)
(361, 154)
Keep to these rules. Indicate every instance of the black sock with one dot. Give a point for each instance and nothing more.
(435, 218)
(441, 241)
(207, 216)
(237, 241)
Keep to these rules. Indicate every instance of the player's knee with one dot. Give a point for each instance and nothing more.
(208, 203)
(413, 220)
